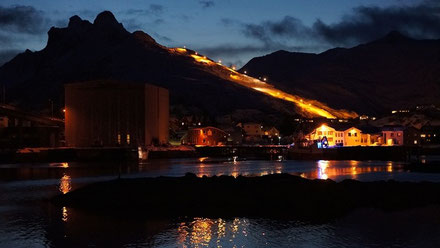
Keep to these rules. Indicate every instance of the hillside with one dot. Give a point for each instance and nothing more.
(395, 72)
(103, 49)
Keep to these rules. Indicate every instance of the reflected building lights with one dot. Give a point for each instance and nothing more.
(204, 232)
(203, 159)
(322, 167)
(65, 184)
(65, 215)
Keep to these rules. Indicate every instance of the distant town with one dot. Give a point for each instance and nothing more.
(114, 114)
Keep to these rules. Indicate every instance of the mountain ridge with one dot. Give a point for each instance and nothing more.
(85, 51)
(393, 72)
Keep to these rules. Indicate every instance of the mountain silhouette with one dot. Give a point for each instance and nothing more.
(393, 72)
(85, 51)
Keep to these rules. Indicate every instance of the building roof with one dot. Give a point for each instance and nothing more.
(368, 129)
(392, 128)
(9, 110)
(207, 127)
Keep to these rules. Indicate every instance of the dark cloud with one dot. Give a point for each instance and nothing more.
(5, 39)
(153, 9)
(162, 38)
(229, 51)
(363, 24)
(206, 3)
(369, 23)
(235, 50)
(132, 22)
(227, 22)
(22, 19)
(159, 21)
(156, 9)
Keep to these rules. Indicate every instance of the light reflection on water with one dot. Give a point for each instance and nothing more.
(65, 184)
(205, 232)
(26, 221)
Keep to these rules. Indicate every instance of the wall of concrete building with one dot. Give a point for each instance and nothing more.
(112, 113)
(157, 115)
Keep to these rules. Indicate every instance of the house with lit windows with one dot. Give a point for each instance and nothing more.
(393, 135)
(343, 135)
(205, 136)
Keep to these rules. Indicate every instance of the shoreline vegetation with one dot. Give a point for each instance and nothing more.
(272, 196)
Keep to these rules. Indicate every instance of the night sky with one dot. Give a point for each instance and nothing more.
(233, 31)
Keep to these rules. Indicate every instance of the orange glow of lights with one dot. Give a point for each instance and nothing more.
(65, 215)
(203, 159)
(178, 50)
(309, 108)
(65, 184)
(201, 232)
(202, 59)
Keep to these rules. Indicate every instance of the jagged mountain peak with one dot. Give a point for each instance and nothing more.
(106, 19)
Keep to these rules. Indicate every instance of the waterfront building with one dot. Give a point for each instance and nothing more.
(430, 134)
(115, 113)
(343, 135)
(328, 134)
(19, 129)
(253, 129)
(205, 136)
(393, 135)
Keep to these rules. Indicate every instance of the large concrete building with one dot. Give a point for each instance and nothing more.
(113, 113)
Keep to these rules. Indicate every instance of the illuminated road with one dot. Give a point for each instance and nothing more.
(308, 108)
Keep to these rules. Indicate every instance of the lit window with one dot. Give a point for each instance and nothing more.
(128, 139)
(119, 139)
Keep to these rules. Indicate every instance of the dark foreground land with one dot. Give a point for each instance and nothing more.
(275, 196)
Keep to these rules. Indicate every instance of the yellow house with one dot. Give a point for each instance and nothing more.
(342, 137)
(355, 137)
(333, 136)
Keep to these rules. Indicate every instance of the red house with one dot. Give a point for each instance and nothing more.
(205, 136)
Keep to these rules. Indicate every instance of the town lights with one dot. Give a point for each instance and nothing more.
(220, 62)
(245, 72)
(264, 79)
